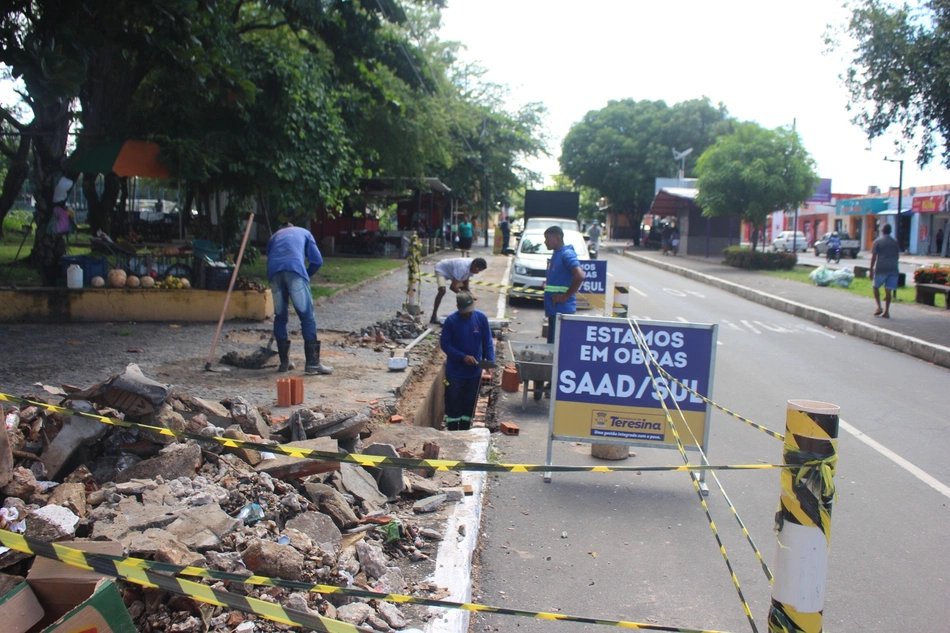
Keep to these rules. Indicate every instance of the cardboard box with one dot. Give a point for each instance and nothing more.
(63, 590)
(103, 612)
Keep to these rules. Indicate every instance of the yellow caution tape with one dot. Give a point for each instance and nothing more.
(146, 573)
(129, 570)
(378, 461)
(529, 293)
(641, 342)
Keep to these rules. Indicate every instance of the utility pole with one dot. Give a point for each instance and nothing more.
(900, 200)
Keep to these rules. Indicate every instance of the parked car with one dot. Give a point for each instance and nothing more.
(530, 267)
(849, 247)
(784, 240)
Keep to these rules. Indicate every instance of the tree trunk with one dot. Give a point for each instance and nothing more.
(50, 129)
(16, 176)
(101, 208)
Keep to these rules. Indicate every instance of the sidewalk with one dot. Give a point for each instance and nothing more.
(913, 329)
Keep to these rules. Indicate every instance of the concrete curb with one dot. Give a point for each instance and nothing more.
(453, 563)
(930, 352)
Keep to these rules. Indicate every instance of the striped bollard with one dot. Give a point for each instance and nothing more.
(621, 305)
(803, 521)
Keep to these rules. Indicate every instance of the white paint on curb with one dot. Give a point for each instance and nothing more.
(453, 563)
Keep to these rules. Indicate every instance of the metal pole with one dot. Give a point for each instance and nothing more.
(803, 522)
(900, 201)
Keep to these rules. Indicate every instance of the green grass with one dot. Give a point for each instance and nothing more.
(862, 287)
(335, 274)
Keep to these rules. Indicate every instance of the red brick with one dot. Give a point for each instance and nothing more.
(396, 419)
(509, 428)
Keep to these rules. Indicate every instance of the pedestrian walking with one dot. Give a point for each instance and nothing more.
(939, 241)
(883, 271)
(454, 273)
(466, 234)
(292, 258)
(466, 340)
(594, 234)
(667, 238)
(564, 278)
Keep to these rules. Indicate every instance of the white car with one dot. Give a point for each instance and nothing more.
(530, 267)
(783, 241)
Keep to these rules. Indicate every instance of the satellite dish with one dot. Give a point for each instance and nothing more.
(681, 155)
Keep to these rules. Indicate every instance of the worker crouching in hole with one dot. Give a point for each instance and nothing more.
(467, 342)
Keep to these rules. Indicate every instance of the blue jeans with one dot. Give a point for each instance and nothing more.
(461, 394)
(287, 285)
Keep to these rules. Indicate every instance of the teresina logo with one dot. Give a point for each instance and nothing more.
(617, 422)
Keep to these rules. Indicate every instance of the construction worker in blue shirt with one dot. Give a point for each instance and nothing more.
(466, 340)
(564, 279)
(292, 258)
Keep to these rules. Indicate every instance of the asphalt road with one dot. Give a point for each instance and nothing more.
(639, 547)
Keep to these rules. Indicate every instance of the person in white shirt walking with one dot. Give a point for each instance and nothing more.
(454, 274)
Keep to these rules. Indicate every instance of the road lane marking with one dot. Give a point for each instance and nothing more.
(674, 292)
(809, 328)
(682, 320)
(774, 328)
(696, 293)
(750, 326)
(639, 292)
(897, 459)
(733, 325)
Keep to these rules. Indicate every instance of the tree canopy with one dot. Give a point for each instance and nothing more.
(900, 72)
(620, 149)
(279, 101)
(754, 172)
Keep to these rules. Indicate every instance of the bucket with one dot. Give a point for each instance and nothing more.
(207, 249)
(74, 276)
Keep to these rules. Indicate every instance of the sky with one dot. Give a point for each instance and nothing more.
(765, 61)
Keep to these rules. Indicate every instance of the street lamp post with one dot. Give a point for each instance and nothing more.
(900, 199)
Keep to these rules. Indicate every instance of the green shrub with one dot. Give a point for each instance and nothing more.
(742, 257)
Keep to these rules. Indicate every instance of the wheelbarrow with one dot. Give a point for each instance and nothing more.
(535, 363)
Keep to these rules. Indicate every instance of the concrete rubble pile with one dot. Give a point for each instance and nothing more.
(184, 502)
(403, 328)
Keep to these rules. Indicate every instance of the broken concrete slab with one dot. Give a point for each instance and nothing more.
(331, 502)
(174, 461)
(284, 466)
(347, 428)
(320, 528)
(273, 560)
(202, 528)
(247, 416)
(22, 484)
(308, 421)
(361, 484)
(389, 480)
(235, 432)
(420, 486)
(51, 523)
(429, 504)
(77, 431)
(72, 496)
(139, 517)
(130, 392)
(372, 559)
(354, 613)
(390, 612)
(200, 405)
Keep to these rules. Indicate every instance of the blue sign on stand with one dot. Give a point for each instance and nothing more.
(608, 386)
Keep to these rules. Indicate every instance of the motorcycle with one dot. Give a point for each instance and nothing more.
(834, 252)
(592, 250)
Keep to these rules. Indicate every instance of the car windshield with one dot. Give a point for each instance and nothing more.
(543, 223)
(533, 244)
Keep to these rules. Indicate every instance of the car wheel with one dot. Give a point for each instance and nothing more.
(817, 254)
(854, 254)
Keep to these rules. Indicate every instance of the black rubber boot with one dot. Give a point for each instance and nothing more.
(283, 353)
(314, 366)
